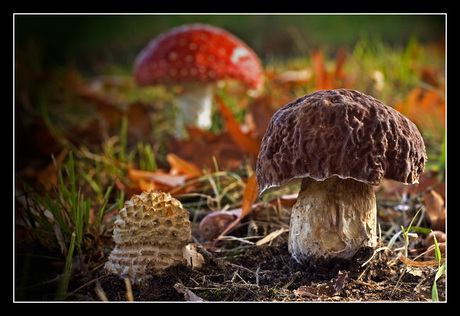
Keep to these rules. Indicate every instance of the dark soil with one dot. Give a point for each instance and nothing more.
(261, 273)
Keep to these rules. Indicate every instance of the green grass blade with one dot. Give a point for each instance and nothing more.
(73, 190)
(437, 251)
(434, 293)
(64, 281)
(104, 205)
(123, 139)
(434, 289)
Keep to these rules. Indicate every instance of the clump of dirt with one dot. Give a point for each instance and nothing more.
(269, 273)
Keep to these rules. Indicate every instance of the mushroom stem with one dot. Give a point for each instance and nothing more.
(195, 104)
(334, 218)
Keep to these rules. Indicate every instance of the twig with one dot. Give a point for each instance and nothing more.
(377, 250)
(413, 263)
(240, 267)
(271, 236)
(84, 285)
(243, 240)
(100, 292)
(129, 291)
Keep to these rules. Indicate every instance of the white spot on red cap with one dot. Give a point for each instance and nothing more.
(205, 51)
(238, 53)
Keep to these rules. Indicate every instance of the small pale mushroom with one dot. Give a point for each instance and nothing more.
(195, 57)
(213, 224)
(440, 237)
(151, 233)
(339, 144)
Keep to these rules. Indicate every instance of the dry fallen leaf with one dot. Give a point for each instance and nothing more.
(48, 176)
(221, 147)
(271, 236)
(180, 172)
(189, 296)
(325, 289)
(243, 140)
(425, 108)
(249, 196)
(181, 167)
(324, 79)
(436, 210)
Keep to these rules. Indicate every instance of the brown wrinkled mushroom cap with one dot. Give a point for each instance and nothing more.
(341, 133)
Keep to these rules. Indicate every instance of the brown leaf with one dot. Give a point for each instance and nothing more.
(306, 291)
(181, 167)
(260, 111)
(189, 296)
(320, 70)
(221, 147)
(48, 176)
(328, 289)
(340, 59)
(243, 140)
(180, 172)
(249, 196)
(147, 180)
(436, 210)
(324, 79)
(424, 107)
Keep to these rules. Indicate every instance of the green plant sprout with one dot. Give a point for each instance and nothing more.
(441, 270)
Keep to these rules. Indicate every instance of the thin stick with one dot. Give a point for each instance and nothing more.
(100, 292)
(86, 284)
(129, 291)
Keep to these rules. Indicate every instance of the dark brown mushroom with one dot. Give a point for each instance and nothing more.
(339, 143)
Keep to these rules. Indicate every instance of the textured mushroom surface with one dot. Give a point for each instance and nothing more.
(150, 233)
(341, 133)
(198, 53)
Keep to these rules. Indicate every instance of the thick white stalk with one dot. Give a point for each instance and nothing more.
(195, 104)
(333, 218)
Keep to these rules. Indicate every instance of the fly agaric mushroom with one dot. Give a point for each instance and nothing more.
(151, 234)
(196, 56)
(339, 144)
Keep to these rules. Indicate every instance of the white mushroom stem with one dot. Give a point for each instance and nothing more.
(333, 218)
(195, 103)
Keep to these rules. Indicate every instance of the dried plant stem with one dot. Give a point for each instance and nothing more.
(100, 292)
(129, 290)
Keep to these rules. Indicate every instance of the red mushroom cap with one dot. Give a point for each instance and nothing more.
(197, 52)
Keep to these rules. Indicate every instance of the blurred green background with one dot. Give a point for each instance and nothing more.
(90, 42)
